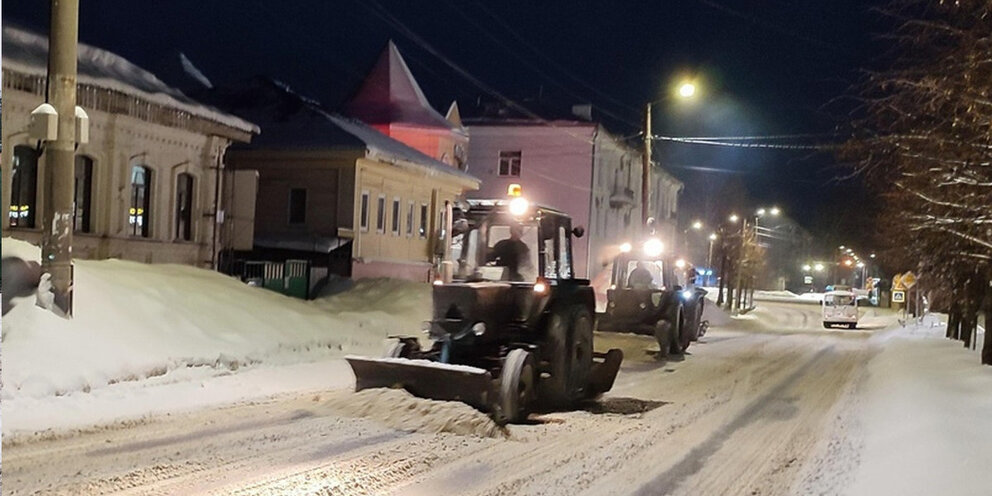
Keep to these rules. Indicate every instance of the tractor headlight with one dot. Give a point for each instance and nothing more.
(519, 206)
(653, 247)
(687, 294)
(479, 328)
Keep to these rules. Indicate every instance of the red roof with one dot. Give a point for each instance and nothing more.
(390, 95)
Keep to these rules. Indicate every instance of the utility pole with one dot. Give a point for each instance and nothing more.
(56, 238)
(646, 167)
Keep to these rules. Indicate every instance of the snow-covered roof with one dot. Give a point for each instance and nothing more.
(390, 95)
(27, 53)
(290, 121)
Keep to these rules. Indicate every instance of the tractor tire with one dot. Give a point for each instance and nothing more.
(826, 325)
(582, 349)
(663, 335)
(679, 337)
(555, 388)
(852, 326)
(569, 353)
(517, 385)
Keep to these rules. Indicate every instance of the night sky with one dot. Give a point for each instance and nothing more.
(765, 67)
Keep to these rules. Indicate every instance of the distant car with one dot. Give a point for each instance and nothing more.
(840, 308)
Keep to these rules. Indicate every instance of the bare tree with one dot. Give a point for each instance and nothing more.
(923, 139)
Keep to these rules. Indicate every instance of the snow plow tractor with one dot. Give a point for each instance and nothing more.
(511, 327)
(646, 296)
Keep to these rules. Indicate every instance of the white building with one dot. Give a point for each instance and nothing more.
(150, 182)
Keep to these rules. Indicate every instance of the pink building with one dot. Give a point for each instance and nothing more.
(576, 166)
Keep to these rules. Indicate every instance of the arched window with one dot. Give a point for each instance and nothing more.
(24, 187)
(141, 188)
(83, 194)
(184, 207)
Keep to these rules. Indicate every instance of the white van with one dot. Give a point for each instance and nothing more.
(840, 308)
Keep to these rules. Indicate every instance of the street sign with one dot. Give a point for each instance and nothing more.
(807, 279)
(897, 282)
(909, 280)
(898, 297)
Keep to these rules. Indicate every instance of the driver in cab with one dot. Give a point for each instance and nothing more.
(511, 253)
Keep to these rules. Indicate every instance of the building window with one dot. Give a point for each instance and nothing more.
(24, 187)
(298, 206)
(396, 216)
(409, 220)
(363, 219)
(141, 188)
(380, 214)
(423, 220)
(184, 207)
(509, 164)
(82, 194)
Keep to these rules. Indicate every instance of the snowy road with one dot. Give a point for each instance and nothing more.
(758, 408)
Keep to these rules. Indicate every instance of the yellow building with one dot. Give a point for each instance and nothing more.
(338, 193)
(149, 185)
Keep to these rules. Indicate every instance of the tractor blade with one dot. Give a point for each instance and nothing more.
(426, 379)
(604, 371)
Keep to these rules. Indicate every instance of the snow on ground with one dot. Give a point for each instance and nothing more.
(925, 416)
(154, 338)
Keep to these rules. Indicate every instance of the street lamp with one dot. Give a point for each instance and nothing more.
(733, 218)
(807, 268)
(697, 225)
(686, 91)
(818, 267)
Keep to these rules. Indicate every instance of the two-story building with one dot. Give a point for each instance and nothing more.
(578, 166)
(149, 185)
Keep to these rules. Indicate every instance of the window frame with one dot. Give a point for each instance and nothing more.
(380, 214)
(187, 234)
(82, 223)
(508, 155)
(409, 219)
(364, 210)
(141, 229)
(19, 191)
(396, 212)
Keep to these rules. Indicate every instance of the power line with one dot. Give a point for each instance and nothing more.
(532, 66)
(735, 144)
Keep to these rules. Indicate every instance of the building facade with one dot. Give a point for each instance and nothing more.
(148, 184)
(332, 188)
(578, 167)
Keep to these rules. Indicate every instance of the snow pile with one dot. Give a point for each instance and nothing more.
(159, 324)
(400, 410)
(926, 417)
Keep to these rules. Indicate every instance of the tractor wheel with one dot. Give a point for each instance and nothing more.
(697, 322)
(852, 326)
(517, 382)
(678, 334)
(569, 352)
(555, 388)
(663, 334)
(826, 325)
(581, 351)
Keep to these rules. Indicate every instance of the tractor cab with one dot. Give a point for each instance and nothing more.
(653, 293)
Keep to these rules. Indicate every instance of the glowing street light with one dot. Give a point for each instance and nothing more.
(697, 225)
(761, 212)
(733, 218)
(713, 236)
(807, 267)
(848, 262)
(775, 211)
(687, 90)
(818, 267)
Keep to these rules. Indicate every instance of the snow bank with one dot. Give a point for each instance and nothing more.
(926, 417)
(400, 410)
(156, 324)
